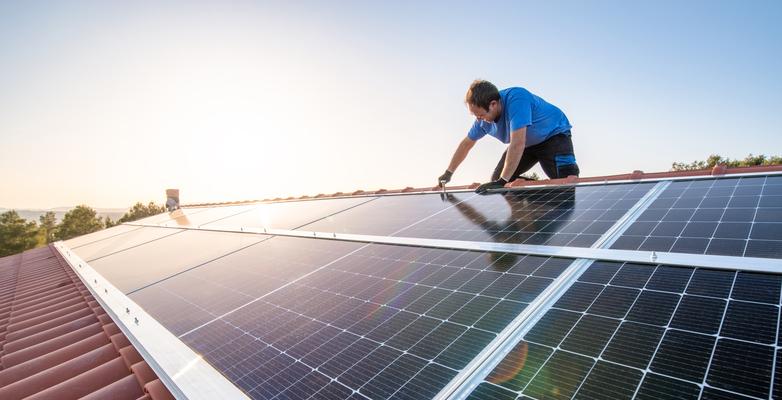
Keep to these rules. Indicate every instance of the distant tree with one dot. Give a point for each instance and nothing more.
(714, 160)
(140, 210)
(108, 223)
(46, 227)
(16, 233)
(79, 221)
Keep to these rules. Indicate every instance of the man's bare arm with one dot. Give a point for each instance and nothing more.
(518, 139)
(461, 153)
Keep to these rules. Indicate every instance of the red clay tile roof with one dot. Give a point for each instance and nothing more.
(57, 342)
(635, 175)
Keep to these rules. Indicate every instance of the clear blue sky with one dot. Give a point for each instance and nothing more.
(108, 104)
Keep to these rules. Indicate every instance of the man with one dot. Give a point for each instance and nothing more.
(534, 130)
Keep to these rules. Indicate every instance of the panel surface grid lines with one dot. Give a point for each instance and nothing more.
(642, 331)
(381, 321)
(727, 216)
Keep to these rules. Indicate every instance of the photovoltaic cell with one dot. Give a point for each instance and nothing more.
(379, 321)
(667, 333)
(570, 216)
(728, 216)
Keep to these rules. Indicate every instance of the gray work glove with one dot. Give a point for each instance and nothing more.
(498, 184)
(444, 178)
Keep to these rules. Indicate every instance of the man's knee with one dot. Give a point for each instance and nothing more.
(566, 165)
(567, 170)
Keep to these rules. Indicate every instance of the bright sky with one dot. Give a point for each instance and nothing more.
(109, 104)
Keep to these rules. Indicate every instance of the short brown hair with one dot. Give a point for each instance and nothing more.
(481, 93)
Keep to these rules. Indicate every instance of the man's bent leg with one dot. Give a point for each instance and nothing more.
(528, 160)
(557, 157)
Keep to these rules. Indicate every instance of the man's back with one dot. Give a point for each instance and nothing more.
(521, 108)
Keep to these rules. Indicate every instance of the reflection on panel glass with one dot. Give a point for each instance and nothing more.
(378, 320)
(730, 216)
(287, 215)
(99, 235)
(564, 216)
(134, 237)
(139, 266)
(653, 331)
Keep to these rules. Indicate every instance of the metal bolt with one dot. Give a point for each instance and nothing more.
(654, 256)
(135, 319)
(127, 310)
(96, 281)
(106, 291)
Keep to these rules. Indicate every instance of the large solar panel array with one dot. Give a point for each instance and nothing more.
(291, 317)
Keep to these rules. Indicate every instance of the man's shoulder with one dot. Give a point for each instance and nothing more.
(516, 94)
(515, 90)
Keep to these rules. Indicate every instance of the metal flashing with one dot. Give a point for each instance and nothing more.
(184, 373)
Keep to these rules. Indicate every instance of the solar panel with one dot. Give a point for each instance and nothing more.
(563, 216)
(730, 216)
(291, 317)
(385, 215)
(198, 295)
(299, 317)
(102, 247)
(649, 331)
(99, 235)
(196, 217)
(289, 214)
(135, 267)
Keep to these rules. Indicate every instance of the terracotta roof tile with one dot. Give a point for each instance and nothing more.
(57, 342)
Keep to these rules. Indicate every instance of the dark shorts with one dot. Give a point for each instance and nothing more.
(555, 156)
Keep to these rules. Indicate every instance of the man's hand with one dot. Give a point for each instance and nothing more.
(498, 184)
(444, 178)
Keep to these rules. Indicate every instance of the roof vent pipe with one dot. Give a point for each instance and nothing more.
(172, 199)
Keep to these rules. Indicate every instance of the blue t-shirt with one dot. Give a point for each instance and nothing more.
(521, 108)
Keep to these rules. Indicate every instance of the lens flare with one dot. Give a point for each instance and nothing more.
(512, 365)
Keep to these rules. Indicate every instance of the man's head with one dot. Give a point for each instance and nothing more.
(483, 100)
